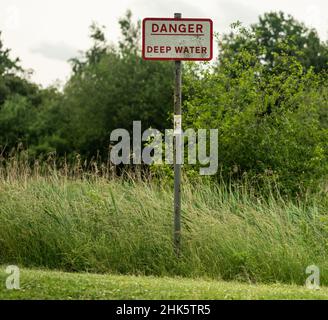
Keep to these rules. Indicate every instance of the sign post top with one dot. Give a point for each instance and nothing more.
(177, 39)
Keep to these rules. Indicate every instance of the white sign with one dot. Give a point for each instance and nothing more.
(177, 39)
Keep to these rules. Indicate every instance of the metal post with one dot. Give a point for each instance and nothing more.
(177, 154)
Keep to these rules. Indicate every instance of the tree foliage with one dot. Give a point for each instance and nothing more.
(266, 95)
(276, 34)
(111, 88)
(272, 125)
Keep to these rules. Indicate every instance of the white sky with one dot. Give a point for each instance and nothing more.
(44, 34)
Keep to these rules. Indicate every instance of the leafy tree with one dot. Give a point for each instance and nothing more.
(276, 34)
(130, 44)
(13, 79)
(7, 65)
(95, 53)
(23, 108)
(286, 145)
(111, 88)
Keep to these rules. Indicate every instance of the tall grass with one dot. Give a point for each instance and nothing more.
(100, 223)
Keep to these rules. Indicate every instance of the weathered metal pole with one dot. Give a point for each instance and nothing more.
(177, 153)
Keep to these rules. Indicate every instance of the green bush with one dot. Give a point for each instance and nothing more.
(272, 125)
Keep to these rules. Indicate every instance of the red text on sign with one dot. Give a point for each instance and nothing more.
(177, 28)
(177, 49)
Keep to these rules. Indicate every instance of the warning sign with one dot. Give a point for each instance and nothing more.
(177, 39)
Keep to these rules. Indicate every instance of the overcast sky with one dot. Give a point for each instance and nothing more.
(44, 34)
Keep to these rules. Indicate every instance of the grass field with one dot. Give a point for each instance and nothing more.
(36, 284)
(125, 227)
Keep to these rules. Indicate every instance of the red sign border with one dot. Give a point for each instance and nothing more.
(177, 19)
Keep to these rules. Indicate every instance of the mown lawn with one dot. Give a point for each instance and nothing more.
(37, 284)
